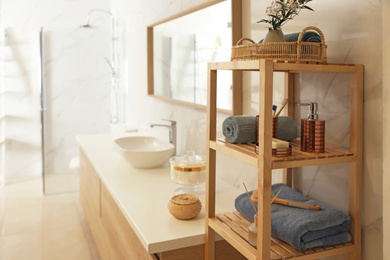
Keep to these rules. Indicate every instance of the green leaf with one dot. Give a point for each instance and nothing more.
(263, 21)
(274, 16)
(306, 7)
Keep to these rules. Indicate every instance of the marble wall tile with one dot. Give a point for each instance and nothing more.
(21, 73)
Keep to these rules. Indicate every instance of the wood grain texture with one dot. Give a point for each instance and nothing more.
(211, 165)
(289, 79)
(223, 250)
(126, 242)
(90, 201)
(265, 160)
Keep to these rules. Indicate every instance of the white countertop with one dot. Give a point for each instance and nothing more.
(143, 196)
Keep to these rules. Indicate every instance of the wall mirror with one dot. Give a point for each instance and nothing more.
(179, 48)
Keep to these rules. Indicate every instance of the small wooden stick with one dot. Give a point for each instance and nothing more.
(254, 197)
(247, 193)
(283, 105)
(272, 201)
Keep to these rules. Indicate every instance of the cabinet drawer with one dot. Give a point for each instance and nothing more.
(121, 234)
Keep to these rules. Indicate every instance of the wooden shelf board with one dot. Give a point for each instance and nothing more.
(254, 65)
(233, 227)
(246, 153)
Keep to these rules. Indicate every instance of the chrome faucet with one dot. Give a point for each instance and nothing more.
(172, 131)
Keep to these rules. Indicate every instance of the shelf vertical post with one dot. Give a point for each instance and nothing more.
(211, 166)
(289, 111)
(355, 168)
(265, 160)
(236, 7)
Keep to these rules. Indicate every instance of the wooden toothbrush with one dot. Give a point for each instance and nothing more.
(290, 203)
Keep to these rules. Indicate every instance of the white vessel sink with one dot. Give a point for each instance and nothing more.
(144, 152)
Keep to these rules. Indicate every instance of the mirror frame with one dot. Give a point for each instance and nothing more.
(236, 13)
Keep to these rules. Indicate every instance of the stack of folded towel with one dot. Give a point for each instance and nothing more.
(242, 129)
(301, 228)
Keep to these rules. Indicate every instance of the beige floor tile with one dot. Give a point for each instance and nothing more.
(24, 246)
(29, 200)
(60, 217)
(61, 200)
(65, 244)
(79, 208)
(24, 187)
(89, 238)
(65, 182)
(36, 226)
(22, 220)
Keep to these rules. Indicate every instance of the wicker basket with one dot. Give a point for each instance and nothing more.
(184, 206)
(282, 51)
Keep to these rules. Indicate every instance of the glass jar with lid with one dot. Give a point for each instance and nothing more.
(189, 171)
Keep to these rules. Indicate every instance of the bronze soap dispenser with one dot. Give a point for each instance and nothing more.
(312, 130)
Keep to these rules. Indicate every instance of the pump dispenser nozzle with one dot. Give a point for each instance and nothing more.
(313, 108)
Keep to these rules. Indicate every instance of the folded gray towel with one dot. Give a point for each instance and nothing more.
(308, 36)
(287, 129)
(239, 129)
(301, 228)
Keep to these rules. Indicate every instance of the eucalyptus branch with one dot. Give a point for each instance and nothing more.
(282, 11)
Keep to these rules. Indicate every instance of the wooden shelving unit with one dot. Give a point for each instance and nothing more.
(232, 226)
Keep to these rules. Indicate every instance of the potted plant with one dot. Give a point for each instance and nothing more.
(279, 13)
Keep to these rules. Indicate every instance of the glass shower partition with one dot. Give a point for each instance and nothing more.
(75, 99)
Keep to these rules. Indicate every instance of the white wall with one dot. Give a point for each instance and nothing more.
(22, 20)
(353, 33)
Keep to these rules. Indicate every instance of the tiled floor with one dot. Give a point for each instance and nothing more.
(34, 226)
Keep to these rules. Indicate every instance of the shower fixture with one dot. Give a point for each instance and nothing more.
(114, 90)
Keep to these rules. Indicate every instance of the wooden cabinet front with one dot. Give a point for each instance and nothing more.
(126, 242)
(90, 200)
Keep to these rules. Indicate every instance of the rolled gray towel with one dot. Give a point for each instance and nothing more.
(239, 129)
(308, 36)
(287, 129)
(242, 129)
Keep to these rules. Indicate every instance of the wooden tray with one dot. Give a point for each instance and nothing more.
(283, 51)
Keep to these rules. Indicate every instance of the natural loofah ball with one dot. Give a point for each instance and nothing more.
(184, 206)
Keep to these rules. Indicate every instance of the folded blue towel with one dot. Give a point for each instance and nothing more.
(301, 228)
(308, 36)
(239, 129)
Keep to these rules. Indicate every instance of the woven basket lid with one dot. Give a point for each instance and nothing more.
(184, 199)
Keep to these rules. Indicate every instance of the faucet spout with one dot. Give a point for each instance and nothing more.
(172, 131)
